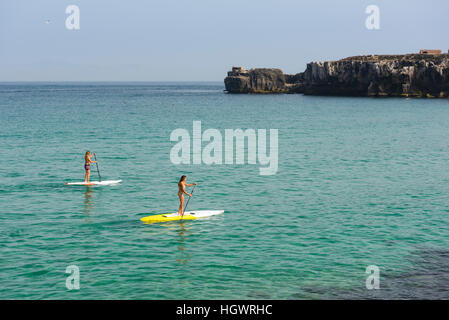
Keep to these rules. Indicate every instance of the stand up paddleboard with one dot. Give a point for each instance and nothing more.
(93, 183)
(188, 215)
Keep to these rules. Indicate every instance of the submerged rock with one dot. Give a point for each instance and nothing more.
(414, 75)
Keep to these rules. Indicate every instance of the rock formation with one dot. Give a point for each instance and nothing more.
(414, 75)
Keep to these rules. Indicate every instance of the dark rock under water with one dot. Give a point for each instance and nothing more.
(427, 279)
(410, 75)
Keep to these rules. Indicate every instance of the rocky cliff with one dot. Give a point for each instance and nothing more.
(414, 75)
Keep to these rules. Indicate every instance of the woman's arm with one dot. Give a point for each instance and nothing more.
(189, 185)
(184, 191)
(90, 160)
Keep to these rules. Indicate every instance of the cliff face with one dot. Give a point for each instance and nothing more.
(412, 75)
(256, 81)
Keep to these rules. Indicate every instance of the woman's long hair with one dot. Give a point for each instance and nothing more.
(182, 178)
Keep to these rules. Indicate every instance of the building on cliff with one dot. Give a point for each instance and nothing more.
(429, 51)
(237, 71)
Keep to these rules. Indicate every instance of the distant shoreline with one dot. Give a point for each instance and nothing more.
(218, 82)
(408, 75)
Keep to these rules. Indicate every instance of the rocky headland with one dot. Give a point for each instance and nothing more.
(411, 75)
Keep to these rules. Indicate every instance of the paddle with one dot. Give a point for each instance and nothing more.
(188, 201)
(98, 170)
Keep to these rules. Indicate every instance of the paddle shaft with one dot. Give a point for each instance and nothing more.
(188, 200)
(98, 170)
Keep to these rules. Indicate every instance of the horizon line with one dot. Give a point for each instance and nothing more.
(111, 81)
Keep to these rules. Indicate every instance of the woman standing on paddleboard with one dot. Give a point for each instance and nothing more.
(87, 163)
(182, 184)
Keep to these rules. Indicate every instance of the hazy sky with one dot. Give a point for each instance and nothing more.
(182, 40)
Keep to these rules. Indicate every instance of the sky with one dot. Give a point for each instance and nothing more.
(200, 40)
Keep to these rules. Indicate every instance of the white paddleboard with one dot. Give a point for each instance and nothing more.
(198, 213)
(94, 183)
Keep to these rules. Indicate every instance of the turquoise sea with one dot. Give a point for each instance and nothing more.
(361, 181)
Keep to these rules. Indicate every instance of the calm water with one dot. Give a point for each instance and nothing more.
(360, 182)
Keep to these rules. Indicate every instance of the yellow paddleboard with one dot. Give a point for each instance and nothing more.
(165, 218)
(188, 215)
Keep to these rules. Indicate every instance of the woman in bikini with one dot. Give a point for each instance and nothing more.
(87, 163)
(182, 184)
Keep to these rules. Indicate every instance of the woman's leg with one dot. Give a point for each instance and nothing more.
(88, 175)
(181, 204)
(85, 176)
